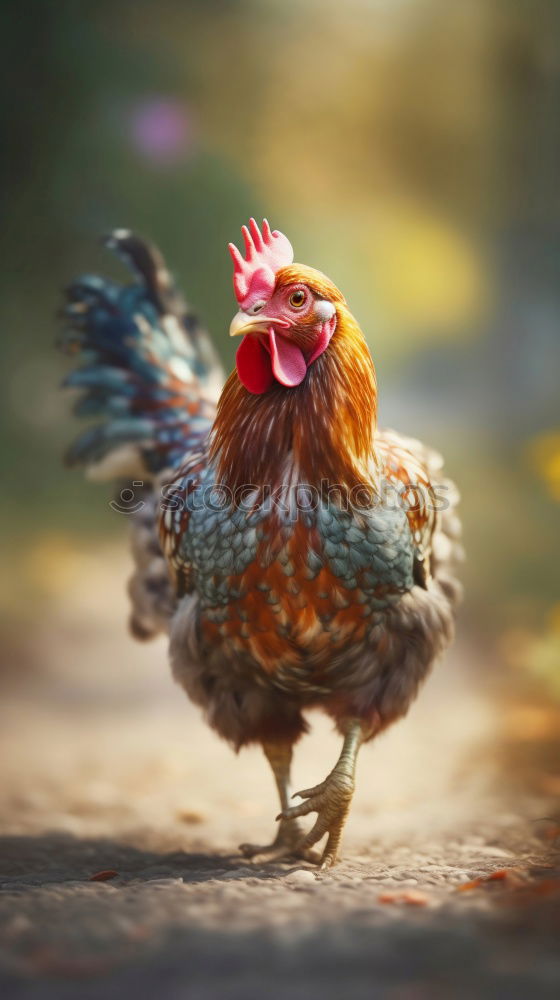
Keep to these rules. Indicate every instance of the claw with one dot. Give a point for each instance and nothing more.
(308, 792)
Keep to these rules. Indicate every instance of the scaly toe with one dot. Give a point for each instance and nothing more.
(289, 843)
(331, 801)
(307, 793)
(311, 804)
(265, 852)
(259, 853)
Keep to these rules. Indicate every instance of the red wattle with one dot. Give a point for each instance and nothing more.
(263, 359)
(253, 365)
(288, 363)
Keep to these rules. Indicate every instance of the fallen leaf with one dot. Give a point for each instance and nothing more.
(411, 897)
(415, 898)
(104, 875)
(515, 876)
(189, 816)
(388, 897)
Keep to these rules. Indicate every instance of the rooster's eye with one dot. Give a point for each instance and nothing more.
(297, 298)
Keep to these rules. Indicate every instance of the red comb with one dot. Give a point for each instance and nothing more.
(265, 254)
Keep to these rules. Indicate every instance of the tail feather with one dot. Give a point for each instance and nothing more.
(146, 367)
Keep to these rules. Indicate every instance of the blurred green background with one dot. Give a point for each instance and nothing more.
(409, 148)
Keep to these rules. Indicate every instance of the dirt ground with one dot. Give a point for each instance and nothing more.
(106, 766)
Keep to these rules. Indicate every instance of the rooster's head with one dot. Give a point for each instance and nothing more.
(287, 314)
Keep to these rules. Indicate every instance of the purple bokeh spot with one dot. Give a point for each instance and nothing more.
(161, 130)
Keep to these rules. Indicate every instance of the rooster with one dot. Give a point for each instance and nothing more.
(297, 556)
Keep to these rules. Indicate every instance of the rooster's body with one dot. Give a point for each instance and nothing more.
(297, 556)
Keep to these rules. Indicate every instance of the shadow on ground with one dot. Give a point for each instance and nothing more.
(29, 861)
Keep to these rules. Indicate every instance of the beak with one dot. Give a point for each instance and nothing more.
(243, 323)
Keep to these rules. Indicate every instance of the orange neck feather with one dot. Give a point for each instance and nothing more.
(323, 428)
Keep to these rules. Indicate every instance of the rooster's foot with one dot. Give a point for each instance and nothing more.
(331, 800)
(289, 843)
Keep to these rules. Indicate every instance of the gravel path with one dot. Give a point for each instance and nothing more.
(106, 767)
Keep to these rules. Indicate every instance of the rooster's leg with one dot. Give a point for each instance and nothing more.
(290, 836)
(331, 799)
